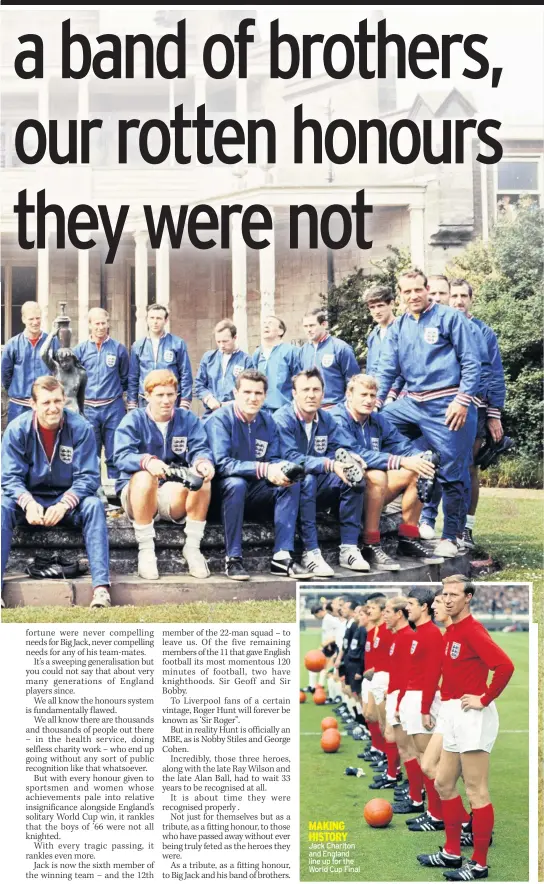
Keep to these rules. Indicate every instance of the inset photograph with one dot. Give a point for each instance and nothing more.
(414, 723)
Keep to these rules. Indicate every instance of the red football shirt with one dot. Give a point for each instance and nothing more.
(469, 654)
(377, 648)
(399, 658)
(425, 664)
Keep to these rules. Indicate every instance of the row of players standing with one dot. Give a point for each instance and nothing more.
(431, 363)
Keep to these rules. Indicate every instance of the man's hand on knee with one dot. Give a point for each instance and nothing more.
(34, 513)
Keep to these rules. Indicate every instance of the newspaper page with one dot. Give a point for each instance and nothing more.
(271, 367)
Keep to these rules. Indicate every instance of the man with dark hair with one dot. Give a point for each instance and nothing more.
(309, 436)
(159, 349)
(277, 361)
(334, 358)
(148, 442)
(393, 464)
(470, 728)
(417, 704)
(245, 443)
(434, 349)
(380, 301)
(219, 368)
(22, 362)
(50, 476)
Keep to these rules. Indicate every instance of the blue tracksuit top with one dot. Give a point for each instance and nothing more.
(374, 343)
(377, 441)
(485, 364)
(435, 354)
(282, 364)
(337, 363)
(138, 439)
(496, 388)
(210, 380)
(22, 364)
(107, 370)
(172, 354)
(316, 454)
(72, 474)
(242, 448)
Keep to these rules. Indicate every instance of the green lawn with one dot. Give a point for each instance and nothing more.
(198, 612)
(390, 854)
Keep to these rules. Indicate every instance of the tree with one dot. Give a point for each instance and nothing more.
(348, 314)
(507, 275)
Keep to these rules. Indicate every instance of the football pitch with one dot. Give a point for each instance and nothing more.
(389, 854)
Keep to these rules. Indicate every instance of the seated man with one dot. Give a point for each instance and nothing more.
(245, 444)
(310, 436)
(147, 442)
(393, 466)
(50, 475)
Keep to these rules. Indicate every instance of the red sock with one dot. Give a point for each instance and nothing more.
(482, 828)
(466, 815)
(434, 804)
(371, 537)
(408, 530)
(392, 753)
(415, 780)
(376, 738)
(454, 813)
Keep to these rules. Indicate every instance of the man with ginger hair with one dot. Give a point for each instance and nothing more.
(50, 476)
(147, 443)
(22, 362)
(106, 362)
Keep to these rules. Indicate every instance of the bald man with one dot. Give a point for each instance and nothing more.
(106, 362)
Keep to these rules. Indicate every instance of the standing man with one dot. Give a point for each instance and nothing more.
(310, 436)
(433, 348)
(334, 358)
(277, 361)
(147, 442)
(470, 728)
(106, 363)
(22, 362)
(490, 407)
(418, 703)
(50, 476)
(439, 289)
(246, 449)
(218, 369)
(380, 301)
(159, 349)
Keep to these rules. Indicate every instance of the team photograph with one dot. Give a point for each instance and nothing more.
(414, 732)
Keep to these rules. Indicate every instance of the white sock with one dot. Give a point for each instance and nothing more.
(470, 522)
(145, 535)
(282, 555)
(332, 688)
(313, 679)
(322, 677)
(194, 532)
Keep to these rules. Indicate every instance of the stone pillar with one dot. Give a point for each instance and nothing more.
(83, 280)
(42, 286)
(162, 260)
(417, 236)
(239, 281)
(140, 281)
(267, 271)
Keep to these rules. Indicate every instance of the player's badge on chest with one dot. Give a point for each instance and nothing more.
(375, 443)
(179, 444)
(260, 447)
(321, 443)
(168, 355)
(111, 360)
(413, 647)
(66, 453)
(455, 650)
(238, 369)
(327, 360)
(392, 649)
(431, 335)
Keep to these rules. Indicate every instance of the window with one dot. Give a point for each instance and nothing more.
(517, 177)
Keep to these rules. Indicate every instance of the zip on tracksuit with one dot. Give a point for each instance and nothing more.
(337, 363)
(279, 368)
(171, 354)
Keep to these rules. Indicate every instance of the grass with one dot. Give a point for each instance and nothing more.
(198, 612)
(389, 854)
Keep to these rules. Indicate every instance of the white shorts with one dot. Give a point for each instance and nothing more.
(439, 726)
(378, 686)
(410, 712)
(391, 708)
(365, 690)
(469, 730)
(164, 500)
